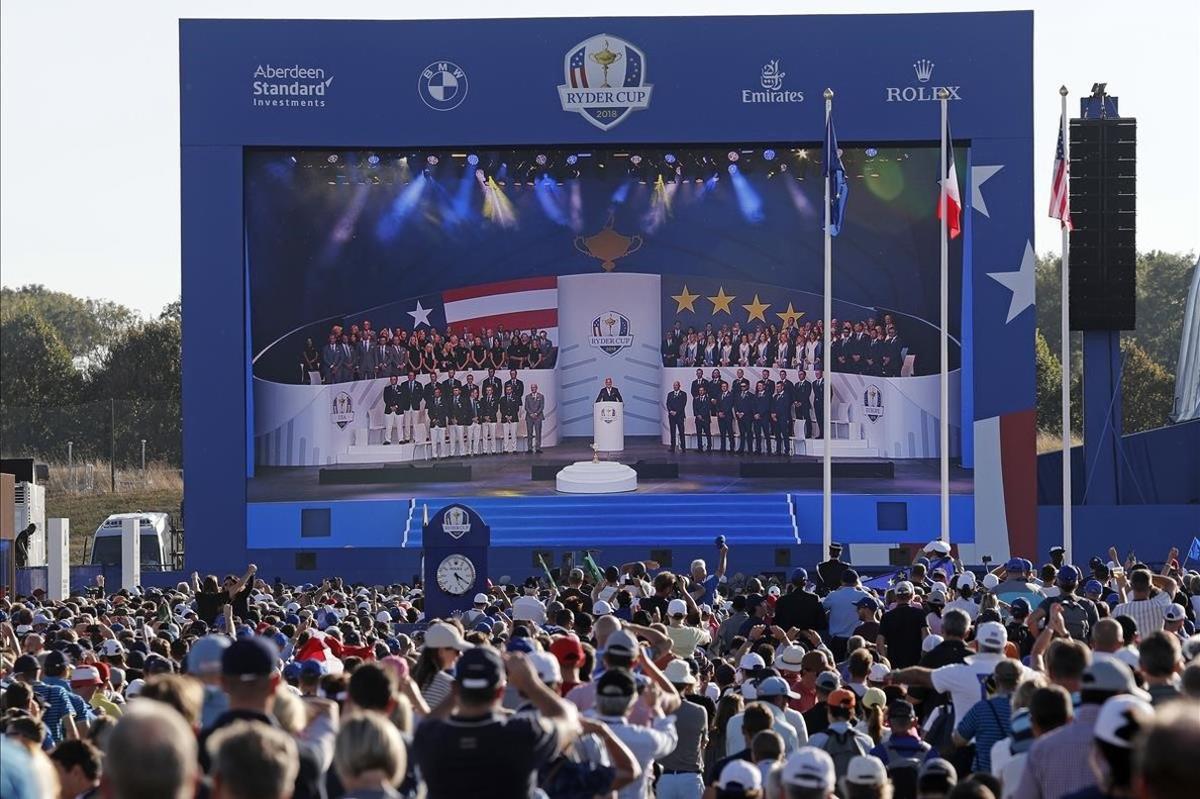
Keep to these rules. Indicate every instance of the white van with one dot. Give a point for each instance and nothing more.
(161, 545)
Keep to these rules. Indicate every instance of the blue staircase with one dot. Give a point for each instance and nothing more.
(662, 520)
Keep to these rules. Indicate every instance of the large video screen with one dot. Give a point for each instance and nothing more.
(369, 263)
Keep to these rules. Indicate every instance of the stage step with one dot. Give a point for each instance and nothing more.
(593, 522)
(841, 447)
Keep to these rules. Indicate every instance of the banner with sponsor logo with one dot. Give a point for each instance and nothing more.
(609, 326)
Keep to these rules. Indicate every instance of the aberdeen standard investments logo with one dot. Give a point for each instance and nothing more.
(771, 80)
(611, 333)
(605, 80)
(924, 91)
(290, 86)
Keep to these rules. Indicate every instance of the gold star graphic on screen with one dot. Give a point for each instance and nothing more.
(685, 300)
(757, 310)
(721, 301)
(790, 313)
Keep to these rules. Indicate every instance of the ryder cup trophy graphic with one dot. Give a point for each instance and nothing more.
(608, 245)
(606, 58)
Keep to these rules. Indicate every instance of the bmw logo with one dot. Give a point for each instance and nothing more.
(442, 85)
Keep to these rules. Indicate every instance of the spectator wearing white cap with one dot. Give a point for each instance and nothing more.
(1121, 720)
(962, 680)
(616, 693)
(807, 774)
(683, 767)
(432, 674)
(964, 595)
(1174, 619)
(476, 612)
(684, 637)
(528, 607)
(938, 553)
(866, 778)
(773, 692)
(739, 780)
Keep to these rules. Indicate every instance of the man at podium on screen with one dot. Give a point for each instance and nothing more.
(609, 393)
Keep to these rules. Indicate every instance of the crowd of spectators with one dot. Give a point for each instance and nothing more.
(362, 353)
(631, 680)
(868, 347)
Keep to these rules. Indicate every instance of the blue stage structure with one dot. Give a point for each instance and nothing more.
(753, 81)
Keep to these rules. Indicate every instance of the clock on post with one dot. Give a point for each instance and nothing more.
(456, 542)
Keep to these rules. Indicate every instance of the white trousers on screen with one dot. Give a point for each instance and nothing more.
(510, 436)
(437, 441)
(392, 421)
(409, 426)
(458, 440)
(474, 437)
(489, 438)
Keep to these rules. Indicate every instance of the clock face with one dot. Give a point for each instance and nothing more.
(456, 574)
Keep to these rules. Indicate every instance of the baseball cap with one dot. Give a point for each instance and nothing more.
(615, 682)
(965, 580)
(567, 649)
(1174, 612)
(991, 635)
(990, 581)
(26, 664)
(754, 600)
(937, 772)
(205, 655)
(1056, 549)
(936, 597)
(739, 775)
(1111, 676)
(930, 642)
(310, 668)
(799, 575)
(849, 577)
(1121, 718)
(828, 681)
(480, 599)
(900, 709)
(841, 698)
(751, 661)
(445, 636)
(547, 667)
(521, 643)
(1068, 575)
(622, 644)
(791, 659)
(1016, 565)
(111, 648)
(904, 588)
(874, 697)
(774, 592)
(85, 675)
(134, 688)
(479, 668)
(1019, 607)
(676, 607)
(54, 661)
(878, 672)
(940, 547)
(601, 608)
(809, 768)
(776, 686)
(866, 770)
(1093, 587)
(677, 672)
(383, 617)
(157, 664)
(249, 658)
(867, 602)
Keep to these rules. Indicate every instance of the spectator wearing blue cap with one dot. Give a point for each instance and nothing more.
(1017, 585)
(799, 607)
(868, 618)
(1079, 613)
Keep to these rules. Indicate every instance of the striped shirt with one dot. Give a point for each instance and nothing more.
(58, 707)
(986, 722)
(1055, 765)
(1148, 613)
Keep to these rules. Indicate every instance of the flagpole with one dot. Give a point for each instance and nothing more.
(826, 371)
(944, 410)
(1066, 344)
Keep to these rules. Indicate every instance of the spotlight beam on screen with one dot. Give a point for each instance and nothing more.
(550, 198)
(660, 204)
(462, 197)
(749, 201)
(497, 208)
(407, 202)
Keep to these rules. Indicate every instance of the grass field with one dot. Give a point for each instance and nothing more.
(159, 488)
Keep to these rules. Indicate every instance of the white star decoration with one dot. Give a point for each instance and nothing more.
(1020, 283)
(420, 316)
(979, 176)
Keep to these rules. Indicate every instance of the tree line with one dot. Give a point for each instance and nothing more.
(89, 372)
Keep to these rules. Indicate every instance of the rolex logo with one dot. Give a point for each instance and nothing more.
(924, 69)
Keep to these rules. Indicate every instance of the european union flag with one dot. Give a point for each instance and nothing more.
(835, 173)
(1193, 551)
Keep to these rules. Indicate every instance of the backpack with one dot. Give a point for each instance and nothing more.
(844, 747)
(1075, 618)
(941, 732)
(903, 768)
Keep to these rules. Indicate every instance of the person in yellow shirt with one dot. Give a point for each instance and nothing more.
(684, 637)
(88, 681)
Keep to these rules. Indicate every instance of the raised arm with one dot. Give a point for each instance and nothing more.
(551, 707)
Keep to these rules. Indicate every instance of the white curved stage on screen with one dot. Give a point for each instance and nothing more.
(596, 477)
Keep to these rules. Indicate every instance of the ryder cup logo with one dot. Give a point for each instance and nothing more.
(610, 333)
(442, 85)
(923, 69)
(343, 410)
(771, 79)
(456, 523)
(605, 80)
(873, 403)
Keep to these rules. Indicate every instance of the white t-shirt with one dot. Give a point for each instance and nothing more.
(967, 606)
(529, 608)
(965, 681)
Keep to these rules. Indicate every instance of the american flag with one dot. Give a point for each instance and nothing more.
(521, 304)
(1060, 187)
(579, 69)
